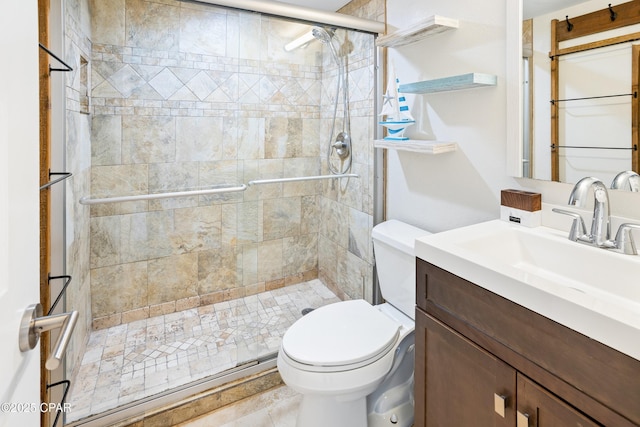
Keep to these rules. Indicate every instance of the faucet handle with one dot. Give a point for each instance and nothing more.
(624, 239)
(578, 227)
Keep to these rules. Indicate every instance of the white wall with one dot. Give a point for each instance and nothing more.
(455, 189)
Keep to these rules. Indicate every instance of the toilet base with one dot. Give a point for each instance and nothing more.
(400, 416)
(314, 412)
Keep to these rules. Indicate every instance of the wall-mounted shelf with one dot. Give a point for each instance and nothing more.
(464, 81)
(432, 25)
(417, 146)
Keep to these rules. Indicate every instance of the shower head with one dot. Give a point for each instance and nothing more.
(326, 36)
(323, 34)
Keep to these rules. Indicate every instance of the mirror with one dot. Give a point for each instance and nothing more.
(604, 122)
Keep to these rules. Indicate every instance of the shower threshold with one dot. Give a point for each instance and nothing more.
(133, 363)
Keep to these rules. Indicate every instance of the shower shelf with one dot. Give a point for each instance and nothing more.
(446, 84)
(417, 146)
(434, 24)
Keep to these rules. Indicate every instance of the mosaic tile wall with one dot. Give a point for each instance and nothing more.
(186, 95)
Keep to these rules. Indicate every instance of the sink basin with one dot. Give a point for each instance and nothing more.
(593, 291)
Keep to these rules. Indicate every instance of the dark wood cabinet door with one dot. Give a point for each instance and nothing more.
(457, 382)
(539, 408)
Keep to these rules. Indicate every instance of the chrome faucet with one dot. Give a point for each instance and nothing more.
(624, 239)
(600, 224)
(600, 234)
(626, 180)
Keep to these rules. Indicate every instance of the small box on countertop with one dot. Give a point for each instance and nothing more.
(523, 200)
(522, 207)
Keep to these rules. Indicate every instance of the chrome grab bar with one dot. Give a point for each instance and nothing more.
(302, 178)
(242, 187)
(88, 201)
(33, 324)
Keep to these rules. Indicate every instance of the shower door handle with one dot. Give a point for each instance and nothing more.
(33, 324)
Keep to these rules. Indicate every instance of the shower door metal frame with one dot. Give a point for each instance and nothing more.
(312, 17)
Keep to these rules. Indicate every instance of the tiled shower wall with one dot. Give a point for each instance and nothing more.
(345, 251)
(188, 96)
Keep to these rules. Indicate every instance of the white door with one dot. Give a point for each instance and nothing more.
(19, 205)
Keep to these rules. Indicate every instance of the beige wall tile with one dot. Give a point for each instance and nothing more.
(173, 278)
(118, 288)
(106, 140)
(360, 225)
(251, 36)
(203, 32)
(107, 21)
(310, 215)
(249, 264)
(300, 254)
(354, 275)
(199, 138)
(334, 224)
(250, 225)
(152, 25)
(105, 241)
(148, 139)
(328, 257)
(251, 138)
(197, 229)
(146, 236)
(301, 166)
(218, 270)
(283, 136)
(281, 217)
(175, 176)
(229, 228)
(270, 260)
(220, 174)
(119, 180)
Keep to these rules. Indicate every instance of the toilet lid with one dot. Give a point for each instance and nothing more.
(340, 334)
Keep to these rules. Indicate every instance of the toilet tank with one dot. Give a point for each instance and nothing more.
(393, 246)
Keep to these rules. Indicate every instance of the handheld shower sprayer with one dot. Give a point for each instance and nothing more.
(342, 143)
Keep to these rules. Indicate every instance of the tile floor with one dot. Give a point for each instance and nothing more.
(129, 362)
(277, 407)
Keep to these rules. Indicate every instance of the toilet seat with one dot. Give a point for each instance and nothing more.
(341, 336)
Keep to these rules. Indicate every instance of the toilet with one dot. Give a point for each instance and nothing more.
(352, 361)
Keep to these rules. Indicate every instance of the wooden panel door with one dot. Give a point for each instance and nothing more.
(459, 383)
(539, 408)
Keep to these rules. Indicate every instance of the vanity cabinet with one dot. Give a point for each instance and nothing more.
(482, 360)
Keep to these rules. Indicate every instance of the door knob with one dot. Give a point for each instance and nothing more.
(33, 324)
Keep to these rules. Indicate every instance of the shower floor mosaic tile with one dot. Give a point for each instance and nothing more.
(136, 360)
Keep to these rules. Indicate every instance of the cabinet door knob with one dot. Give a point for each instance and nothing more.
(499, 404)
(522, 420)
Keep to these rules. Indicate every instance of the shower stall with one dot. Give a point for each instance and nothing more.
(221, 185)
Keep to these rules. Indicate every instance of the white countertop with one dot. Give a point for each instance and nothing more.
(601, 300)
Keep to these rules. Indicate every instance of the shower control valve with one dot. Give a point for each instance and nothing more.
(342, 145)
